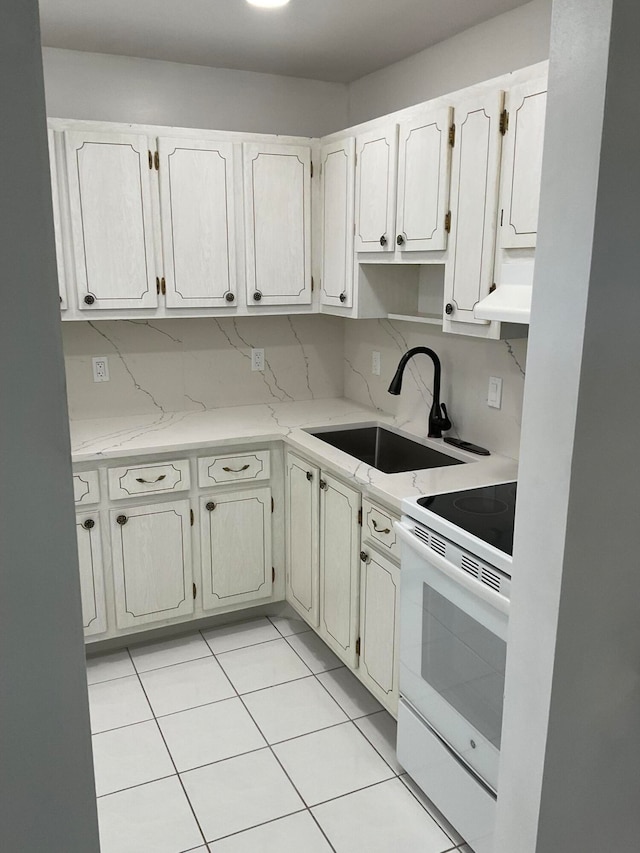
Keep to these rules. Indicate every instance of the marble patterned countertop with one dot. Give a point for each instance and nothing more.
(173, 432)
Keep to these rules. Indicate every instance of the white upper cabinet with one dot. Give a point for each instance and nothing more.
(111, 220)
(423, 182)
(474, 201)
(277, 197)
(197, 221)
(55, 199)
(377, 154)
(337, 163)
(522, 165)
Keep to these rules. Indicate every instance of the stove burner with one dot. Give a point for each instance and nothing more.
(481, 506)
(487, 513)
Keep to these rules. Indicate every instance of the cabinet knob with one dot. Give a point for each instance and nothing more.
(343, 297)
(383, 240)
(309, 476)
(230, 297)
(448, 308)
(323, 484)
(364, 557)
(122, 519)
(89, 299)
(400, 240)
(257, 296)
(88, 523)
(210, 506)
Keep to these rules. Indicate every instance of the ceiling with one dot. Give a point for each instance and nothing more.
(332, 40)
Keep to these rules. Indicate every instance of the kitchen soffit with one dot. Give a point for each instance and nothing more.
(331, 40)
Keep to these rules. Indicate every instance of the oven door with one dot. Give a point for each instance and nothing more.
(453, 633)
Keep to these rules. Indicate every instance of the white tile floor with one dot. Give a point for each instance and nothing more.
(249, 738)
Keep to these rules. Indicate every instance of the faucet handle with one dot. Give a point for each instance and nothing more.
(445, 422)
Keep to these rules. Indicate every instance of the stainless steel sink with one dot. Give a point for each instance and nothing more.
(385, 450)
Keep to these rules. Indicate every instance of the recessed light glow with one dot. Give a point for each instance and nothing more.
(268, 4)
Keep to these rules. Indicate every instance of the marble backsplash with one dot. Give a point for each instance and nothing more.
(467, 364)
(197, 364)
(200, 363)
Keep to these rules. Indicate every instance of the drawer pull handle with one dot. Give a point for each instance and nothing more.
(379, 529)
(235, 470)
(157, 479)
(122, 519)
(88, 524)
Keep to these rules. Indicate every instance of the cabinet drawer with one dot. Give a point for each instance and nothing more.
(86, 488)
(230, 468)
(377, 527)
(129, 481)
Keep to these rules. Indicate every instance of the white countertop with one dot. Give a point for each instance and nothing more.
(173, 432)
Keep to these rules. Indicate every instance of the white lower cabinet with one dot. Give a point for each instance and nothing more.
(339, 567)
(302, 546)
(151, 549)
(379, 627)
(236, 547)
(322, 544)
(94, 612)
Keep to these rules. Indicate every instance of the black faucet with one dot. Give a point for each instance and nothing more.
(437, 420)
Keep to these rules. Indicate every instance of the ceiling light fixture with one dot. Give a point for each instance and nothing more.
(268, 4)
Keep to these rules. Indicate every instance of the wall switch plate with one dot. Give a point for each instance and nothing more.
(100, 369)
(494, 396)
(375, 363)
(257, 359)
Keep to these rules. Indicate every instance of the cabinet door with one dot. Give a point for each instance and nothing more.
(338, 176)
(301, 537)
(111, 224)
(277, 196)
(151, 548)
(197, 219)
(236, 547)
(376, 159)
(423, 182)
(474, 200)
(522, 165)
(94, 611)
(379, 628)
(339, 567)
(57, 223)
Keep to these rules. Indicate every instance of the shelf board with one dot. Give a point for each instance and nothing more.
(418, 317)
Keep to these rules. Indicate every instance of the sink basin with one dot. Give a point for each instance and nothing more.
(385, 450)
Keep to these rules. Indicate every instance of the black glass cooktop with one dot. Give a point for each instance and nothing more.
(487, 513)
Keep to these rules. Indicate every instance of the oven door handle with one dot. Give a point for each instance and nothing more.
(499, 602)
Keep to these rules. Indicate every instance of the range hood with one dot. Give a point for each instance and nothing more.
(510, 302)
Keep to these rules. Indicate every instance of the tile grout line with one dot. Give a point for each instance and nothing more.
(364, 716)
(420, 803)
(302, 800)
(166, 746)
(156, 719)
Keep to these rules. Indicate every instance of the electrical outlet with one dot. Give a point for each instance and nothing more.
(100, 369)
(257, 359)
(494, 397)
(375, 363)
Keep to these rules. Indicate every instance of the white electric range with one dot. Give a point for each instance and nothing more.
(456, 569)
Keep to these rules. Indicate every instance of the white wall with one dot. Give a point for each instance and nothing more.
(198, 363)
(570, 754)
(101, 87)
(498, 46)
(467, 364)
(46, 775)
